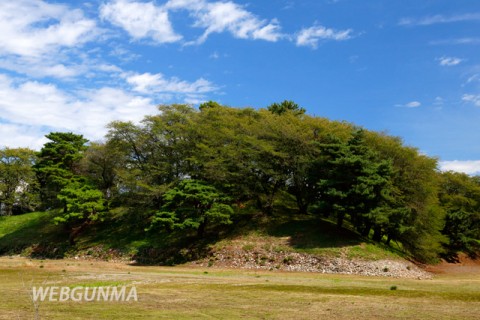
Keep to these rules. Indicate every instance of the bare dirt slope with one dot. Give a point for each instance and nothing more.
(463, 265)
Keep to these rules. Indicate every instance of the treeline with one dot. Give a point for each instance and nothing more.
(196, 169)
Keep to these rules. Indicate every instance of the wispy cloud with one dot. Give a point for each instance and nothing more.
(313, 35)
(148, 83)
(449, 61)
(32, 28)
(141, 20)
(469, 166)
(145, 20)
(412, 104)
(437, 19)
(457, 41)
(30, 107)
(472, 98)
(438, 102)
(41, 39)
(227, 16)
(36, 105)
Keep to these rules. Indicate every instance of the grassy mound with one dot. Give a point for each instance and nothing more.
(123, 235)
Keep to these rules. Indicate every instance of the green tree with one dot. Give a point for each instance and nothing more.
(284, 107)
(17, 180)
(234, 152)
(460, 197)
(101, 164)
(193, 205)
(355, 183)
(58, 162)
(417, 218)
(154, 155)
(84, 205)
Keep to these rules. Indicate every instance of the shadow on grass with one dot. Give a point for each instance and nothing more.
(173, 251)
(33, 234)
(309, 232)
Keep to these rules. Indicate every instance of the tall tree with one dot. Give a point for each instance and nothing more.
(417, 218)
(156, 153)
(193, 204)
(101, 164)
(17, 180)
(84, 204)
(355, 182)
(58, 162)
(460, 196)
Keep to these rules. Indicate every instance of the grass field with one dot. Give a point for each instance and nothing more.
(206, 293)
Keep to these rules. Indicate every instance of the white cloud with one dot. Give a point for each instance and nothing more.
(311, 36)
(222, 16)
(40, 39)
(449, 61)
(39, 68)
(141, 20)
(29, 108)
(436, 19)
(473, 78)
(412, 104)
(457, 41)
(438, 101)
(472, 98)
(17, 135)
(157, 83)
(32, 28)
(469, 166)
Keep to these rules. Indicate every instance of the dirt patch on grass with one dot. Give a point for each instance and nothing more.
(463, 265)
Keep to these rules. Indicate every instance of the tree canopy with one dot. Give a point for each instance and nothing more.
(194, 170)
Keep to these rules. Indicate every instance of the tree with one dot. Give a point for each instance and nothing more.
(17, 180)
(460, 196)
(284, 107)
(355, 183)
(155, 154)
(193, 205)
(101, 164)
(84, 204)
(417, 217)
(58, 162)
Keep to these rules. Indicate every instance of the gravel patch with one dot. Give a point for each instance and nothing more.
(293, 261)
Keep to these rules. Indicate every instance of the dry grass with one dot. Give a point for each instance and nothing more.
(206, 293)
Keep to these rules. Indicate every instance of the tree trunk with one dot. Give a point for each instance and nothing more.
(76, 231)
(340, 217)
(389, 239)
(366, 229)
(377, 233)
(302, 205)
(201, 228)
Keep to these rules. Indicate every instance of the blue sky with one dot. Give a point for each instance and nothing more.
(409, 68)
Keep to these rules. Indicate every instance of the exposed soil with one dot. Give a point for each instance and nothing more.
(462, 265)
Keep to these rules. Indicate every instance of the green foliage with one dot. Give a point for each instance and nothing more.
(193, 205)
(82, 201)
(286, 106)
(190, 166)
(58, 162)
(460, 197)
(356, 184)
(154, 155)
(17, 181)
(101, 165)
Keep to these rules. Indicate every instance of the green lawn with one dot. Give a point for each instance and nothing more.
(208, 293)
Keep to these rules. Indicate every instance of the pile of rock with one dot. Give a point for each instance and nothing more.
(294, 261)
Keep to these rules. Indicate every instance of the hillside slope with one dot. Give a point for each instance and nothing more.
(303, 244)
